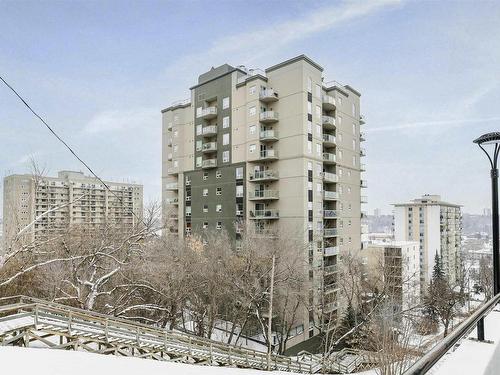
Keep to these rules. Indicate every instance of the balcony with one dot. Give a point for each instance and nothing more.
(268, 117)
(172, 200)
(169, 156)
(169, 142)
(331, 287)
(209, 147)
(209, 163)
(328, 122)
(329, 214)
(328, 102)
(172, 186)
(362, 137)
(329, 307)
(267, 175)
(330, 195)
(268, 96)
(362, 151)
(361, 120)
(173, 170)
(209, 131)
(268, 155)
(329, 140)
(364, 184)
(208, 113)
(331, 251)
(330, 232)
(362, 167)
(270, 214)
(328, 158)
(269, 135)
(169, 126)
(330, 269)
(364, 199)
(330, 177)
(258, 195)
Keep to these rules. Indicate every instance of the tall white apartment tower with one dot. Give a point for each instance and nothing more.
(71, 198)
(437, 226)
(278, 149)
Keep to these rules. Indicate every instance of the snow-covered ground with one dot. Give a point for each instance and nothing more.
(17, 360)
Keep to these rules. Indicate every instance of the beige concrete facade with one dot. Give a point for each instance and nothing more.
(437, 226)
(298, 141)
(81, 200)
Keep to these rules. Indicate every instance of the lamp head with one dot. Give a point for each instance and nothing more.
(488, 138)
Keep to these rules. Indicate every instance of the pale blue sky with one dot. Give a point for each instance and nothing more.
(101, 71)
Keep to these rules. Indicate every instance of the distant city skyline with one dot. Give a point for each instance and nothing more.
(426, 94)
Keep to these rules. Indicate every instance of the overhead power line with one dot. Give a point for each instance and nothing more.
(65, 144)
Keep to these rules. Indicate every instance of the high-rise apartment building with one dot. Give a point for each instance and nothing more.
(278, 149)
(437, 226)
(79, 199)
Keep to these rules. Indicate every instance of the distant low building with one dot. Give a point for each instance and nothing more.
(437, 226)
(79, 199)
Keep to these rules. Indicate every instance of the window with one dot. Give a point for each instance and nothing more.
(176, 133)
(309, 84)
(318, 111)
(218, 191)
(176, 148)
(339, 119)
(225, 157)
(218, 174)
(341, 137)
(349, 190)
(176, 118)
(225, 122)
(225, 139)
(309, 127)
(219, 225)
(341, 153)
(239, 173)
(225, 103)
(309, 108)
(199, 111)
(205, 224)
(354, 109)
(198, 145)
(354, 161)
(252, 111)
(239, 191)
(354, 144)
(309, 147)
(319, 187)
(341, 189)
(318, 129)
(218, 208)
(339, 99)
(318, 91)
(198, 129)
(205, 176)
(251, 90)
(252, 129)
(353, 128)
(205, 208)
(251, 148)
(176, 163)
(205, 192)
(318, 149)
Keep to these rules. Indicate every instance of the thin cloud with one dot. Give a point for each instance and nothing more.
(253, 45)
(425, 124)
(117, 121)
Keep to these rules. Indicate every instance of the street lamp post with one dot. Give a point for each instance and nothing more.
(485, 140)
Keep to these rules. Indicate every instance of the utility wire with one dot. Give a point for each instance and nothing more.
(66, 145)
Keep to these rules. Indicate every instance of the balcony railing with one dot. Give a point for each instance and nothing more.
(329, 139)
(328, 157)
(208, 113)
(331, 287)
(268, 155)
(269, 116)
(330, 269)
(209, 131)
(209, 163)
(362, 167)
(330, 232)
(362, 137)
(361, 120)
(329, 214)
(172, 186)
(173, 170)
(362, 151)
(328, 121)
(265, 214)
(330, 306)
(169, 156)
(173, 200)
(331, 251)
(209, 147)
(268, 95)
(330, 177)
(267, 175)
(364, 199)
(263, 194)
(269, 135)
(328, 102)
(330, 195)
(364, 184)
